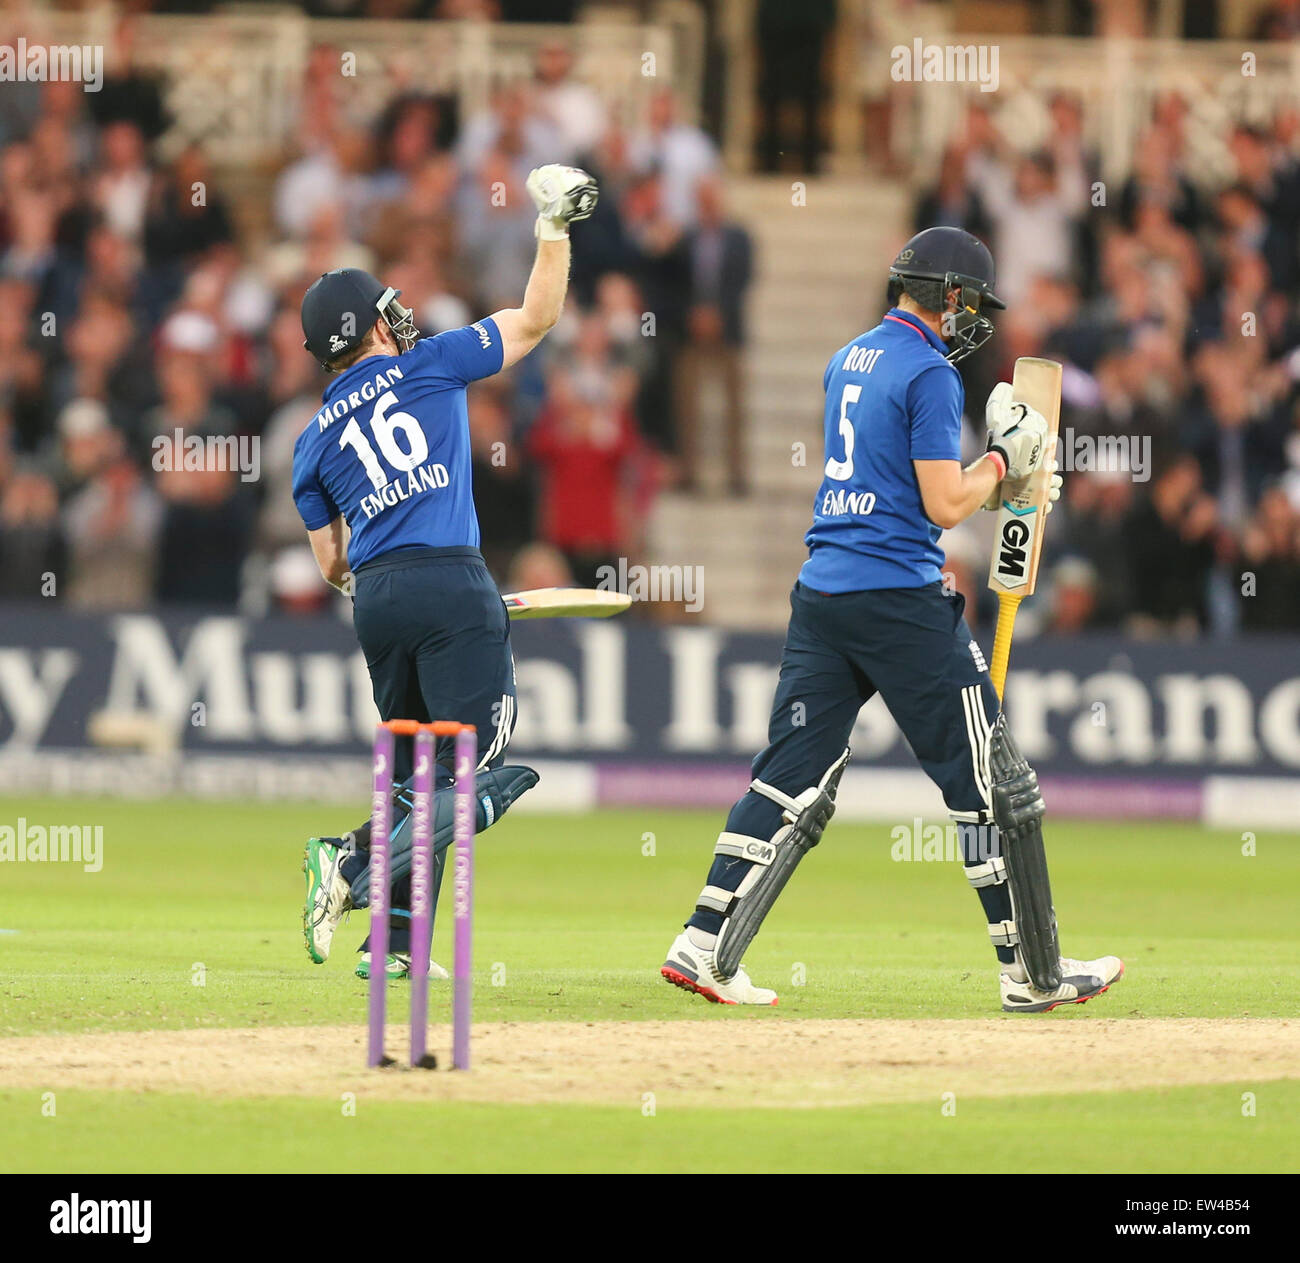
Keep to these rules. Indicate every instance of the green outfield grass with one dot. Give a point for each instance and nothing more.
(577, 920)
(573, 919)
(1192, 1130)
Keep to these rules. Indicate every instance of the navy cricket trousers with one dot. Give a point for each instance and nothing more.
(914, 648)
(436, 638)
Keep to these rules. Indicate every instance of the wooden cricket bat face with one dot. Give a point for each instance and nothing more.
(1018, 544)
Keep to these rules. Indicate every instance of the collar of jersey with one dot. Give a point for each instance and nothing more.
(333, 390)
(906, 317)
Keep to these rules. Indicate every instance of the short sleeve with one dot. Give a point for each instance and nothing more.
(830, 368)
(466, 354)
(315, 506)
(934, 403)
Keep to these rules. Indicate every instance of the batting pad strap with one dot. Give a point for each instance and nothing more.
(715, 899)
(1003, 933)
(782, 800)
(991, 873)
(793, 808)
(743, 847)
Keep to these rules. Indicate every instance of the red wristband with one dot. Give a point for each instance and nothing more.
(994, 455)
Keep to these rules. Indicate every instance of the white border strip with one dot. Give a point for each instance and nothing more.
(1251, 802)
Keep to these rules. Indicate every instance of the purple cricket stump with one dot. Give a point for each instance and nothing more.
(421, 891)
(381, 822)
(463, 895)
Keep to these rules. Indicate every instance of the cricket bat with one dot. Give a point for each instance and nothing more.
(1018, 542)
(566, 603)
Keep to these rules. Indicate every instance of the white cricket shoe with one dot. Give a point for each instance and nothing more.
(328, 897)
(1080, 981)
(691, 967)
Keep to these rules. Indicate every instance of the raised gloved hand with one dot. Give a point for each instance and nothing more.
(1016, 432)
(563, 195)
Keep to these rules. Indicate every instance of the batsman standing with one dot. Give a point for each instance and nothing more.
(382, 481)
(870, 614)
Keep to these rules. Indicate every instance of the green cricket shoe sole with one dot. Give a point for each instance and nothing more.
(399, 965)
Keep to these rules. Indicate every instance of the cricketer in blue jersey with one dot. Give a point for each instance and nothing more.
(382, 481)
(870, 614)
(389, 449)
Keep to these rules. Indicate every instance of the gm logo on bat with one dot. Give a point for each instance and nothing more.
(1015, 541)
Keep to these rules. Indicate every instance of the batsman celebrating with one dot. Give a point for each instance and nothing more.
(382, 480)
(869, 613)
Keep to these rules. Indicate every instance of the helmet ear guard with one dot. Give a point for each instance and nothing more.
(401, 320)
(965, 325)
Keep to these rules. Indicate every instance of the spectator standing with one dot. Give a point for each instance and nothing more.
(792, 37)
(186, 215)
(292, 393)
(111, 526)
(503, 492)
(1034, 213)
(107, 361)
(31, 542)
(1228, 434)
(1100, 507)
(1171, 540)
(952, 200)
(511, 126)
(720, 266)
(496, 228)
(662, 276)
(129, 93)
(574, 110)
(1159, 177)
(587, 449)
(23, 377)
(326, 176)
(605, 246)
(680, 154)
(122, 182)
(207, 518)
(1271, 555)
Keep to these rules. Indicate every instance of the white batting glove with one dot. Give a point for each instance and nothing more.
(563, 195)
(994, 501)
(1053, 489)
(1016, 432)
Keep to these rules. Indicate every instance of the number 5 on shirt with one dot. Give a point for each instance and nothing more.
(842, 470)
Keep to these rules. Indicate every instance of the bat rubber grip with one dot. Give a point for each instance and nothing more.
(1008, 604)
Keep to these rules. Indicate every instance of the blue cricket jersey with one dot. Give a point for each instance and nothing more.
(389, 449)
(891, 398)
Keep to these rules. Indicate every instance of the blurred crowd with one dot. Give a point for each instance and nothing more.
(1172, 303)
(146, 301)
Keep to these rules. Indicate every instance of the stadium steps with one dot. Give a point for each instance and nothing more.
(819, 279)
